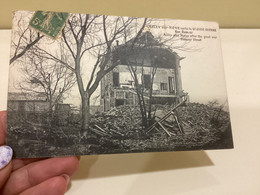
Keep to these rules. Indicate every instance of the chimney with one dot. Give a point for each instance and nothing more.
(117, 42)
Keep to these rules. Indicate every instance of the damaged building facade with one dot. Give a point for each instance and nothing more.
(146, 64)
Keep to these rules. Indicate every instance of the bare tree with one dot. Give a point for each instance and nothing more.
(88, 37)
(143, 89)
(46, 77)
(23, 38)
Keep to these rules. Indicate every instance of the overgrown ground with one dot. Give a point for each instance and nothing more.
(119, 131)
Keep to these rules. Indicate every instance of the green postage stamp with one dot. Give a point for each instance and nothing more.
(49, 23)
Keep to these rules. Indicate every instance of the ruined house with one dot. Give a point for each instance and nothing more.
(155, 67)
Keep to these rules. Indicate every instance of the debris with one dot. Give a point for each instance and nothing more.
(172, 112)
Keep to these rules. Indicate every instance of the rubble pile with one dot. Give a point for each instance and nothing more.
(120, 130)
(204, 127)
(204, 117)
(119, 121)
(198, 116)
(195, 118)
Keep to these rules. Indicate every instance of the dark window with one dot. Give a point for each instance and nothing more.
(120, 102)
(147, 81)
(163, 86)
(112, 93)
(116, 79)
(171, 85)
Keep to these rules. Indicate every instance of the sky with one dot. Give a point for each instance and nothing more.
(202, 67)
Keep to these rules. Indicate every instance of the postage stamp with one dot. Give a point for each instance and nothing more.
(49, 23)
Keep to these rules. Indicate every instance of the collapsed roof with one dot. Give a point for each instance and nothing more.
(145, 51)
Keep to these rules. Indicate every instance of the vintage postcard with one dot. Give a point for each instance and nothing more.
(84, 84)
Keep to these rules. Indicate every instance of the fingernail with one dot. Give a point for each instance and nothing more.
(6, 154)
(67, 178)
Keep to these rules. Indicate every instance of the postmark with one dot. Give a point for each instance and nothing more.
(49, 23)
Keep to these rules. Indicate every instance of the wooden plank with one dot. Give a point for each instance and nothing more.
(179, 125)
(164, 129)
(101, 129)
(98, 132)
(167, 125)
(166, 116)
(179, 121)
(158, 129)
(116, 132)
(150, 129)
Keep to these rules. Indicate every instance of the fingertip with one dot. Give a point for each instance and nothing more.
(5, 173)
(2, 126)
(66, 177)
(73, 163)
(59, 184)
(6, 154)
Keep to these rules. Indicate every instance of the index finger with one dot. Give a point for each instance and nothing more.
(2, 127)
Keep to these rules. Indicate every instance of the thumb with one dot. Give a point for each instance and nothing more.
(6, 154)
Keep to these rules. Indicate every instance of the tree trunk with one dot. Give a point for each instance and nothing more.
(85, 114)
(49, 116)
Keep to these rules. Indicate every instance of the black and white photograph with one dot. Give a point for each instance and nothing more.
(114, 84)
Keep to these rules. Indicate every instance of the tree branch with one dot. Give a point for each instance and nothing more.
(15, 57)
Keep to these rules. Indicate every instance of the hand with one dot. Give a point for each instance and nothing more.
(34, 176)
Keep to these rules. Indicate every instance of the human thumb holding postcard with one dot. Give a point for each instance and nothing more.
(5, 152)
(32, 176)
